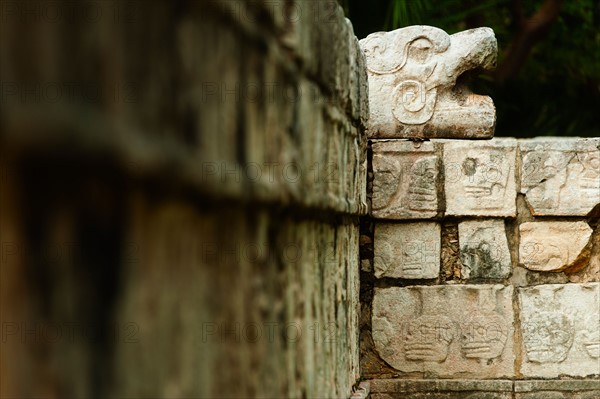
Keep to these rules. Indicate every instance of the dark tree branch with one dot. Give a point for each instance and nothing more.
(531, 31)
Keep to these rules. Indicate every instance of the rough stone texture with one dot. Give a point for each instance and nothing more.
(560, 328)
(557, 385)
(561, 176)
(412, 385)
(440, 389)
(565, 389)
(405, 180)
(451, 265)
(443, 395)
(460, 389)
(479, 177)
(590, 273)
(407, 250)
(484, 250)
(446, 331)
(413, 90)
(553, 246)
(202, 185)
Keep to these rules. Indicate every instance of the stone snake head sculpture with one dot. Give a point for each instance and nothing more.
(415, 90)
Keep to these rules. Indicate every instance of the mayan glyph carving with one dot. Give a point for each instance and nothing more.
(591, 336)
(415, 84)
(556, 323)
(407, 250)
(428, 338)
(462, 330)
(405, 177)
(561, 176)
(479, 177)
(553, 246)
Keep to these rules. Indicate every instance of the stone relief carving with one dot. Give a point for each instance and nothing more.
(561, 176)
(479, 177)
(413, 89)
(449, 330)
(428, 338)
(547, 336)
(484, 333)
(405, 180)
(560, 329)
(552, 246)
(407, 250)
(591, 336)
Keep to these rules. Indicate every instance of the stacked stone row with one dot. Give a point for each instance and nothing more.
(535, 196)
(484, 259)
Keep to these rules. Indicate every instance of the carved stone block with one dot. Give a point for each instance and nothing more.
(407, 250)
(484, 249)
(448, 331)
(405, 180)
(552, 246)
(413, 89)
(560, 329)
(561, 176)
(479, 177)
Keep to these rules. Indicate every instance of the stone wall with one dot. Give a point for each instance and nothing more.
(480, 269)
(180, 199)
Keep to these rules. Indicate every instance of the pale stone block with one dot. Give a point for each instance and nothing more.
(405, 180)
(552, 246)
(479, 177)
(407, 250)
(450, 331)
(413, 88)
(561, 176)
(560, 329)
(484, 249)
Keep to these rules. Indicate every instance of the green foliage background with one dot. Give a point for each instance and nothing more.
(556, 93)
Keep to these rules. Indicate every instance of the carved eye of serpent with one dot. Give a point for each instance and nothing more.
(375, 48)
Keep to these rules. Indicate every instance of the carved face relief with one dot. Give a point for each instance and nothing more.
(590, 173)
(591, 336)
(418, 257)
(428, 338)
(405, 180)
(552, 246)
(483, 337)
(413, 75)
(480, 178)
(561, 176)
(385, 183)
(548, 336)
(422, 194)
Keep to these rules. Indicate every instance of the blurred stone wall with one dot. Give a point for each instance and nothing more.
(180, 198)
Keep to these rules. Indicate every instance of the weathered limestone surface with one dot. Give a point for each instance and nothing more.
(447, 331)
(479, 177)
(405, 180)
(561, 176)
(484, 250)
(557, 385)
(552, 246)
(407, 250)
(440, 389)
(413, 89)
(560, 328)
